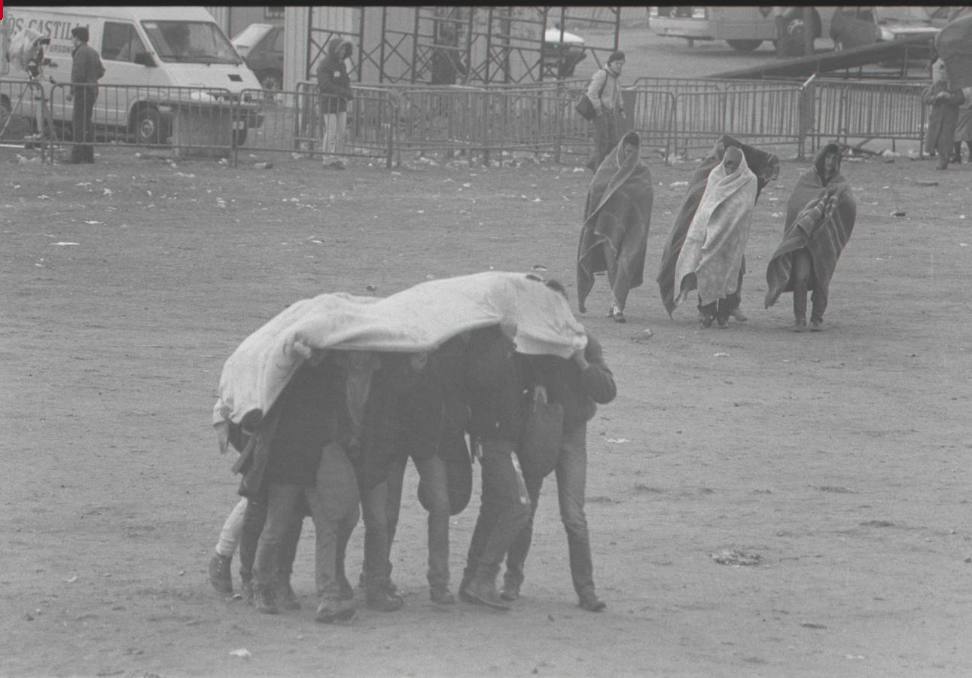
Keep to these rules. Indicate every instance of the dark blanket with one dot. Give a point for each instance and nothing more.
(616, 219)
(765, 166)
(820, 218)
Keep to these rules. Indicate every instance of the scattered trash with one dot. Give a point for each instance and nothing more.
(107, 192)
(643, 335)
(43, 197)
(90, 222)
(540, 268)
(877, 523)
(898, 213)
(812, 625)
(720, 354)
(618, 441)
(64, 244)
(467, 185)
(242, 653)
(736, 558)
(924, 182)
(263, 165)
(678, 183)
(71, 580)
(371, 288)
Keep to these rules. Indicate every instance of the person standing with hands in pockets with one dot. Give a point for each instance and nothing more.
(604, 91)
(86, 70)
(334, 88)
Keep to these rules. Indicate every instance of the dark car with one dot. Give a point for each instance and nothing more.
(262, 48)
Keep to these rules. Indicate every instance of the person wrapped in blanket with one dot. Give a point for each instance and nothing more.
(617, 215)
(712, 253)
(819, 220)
(766, 168)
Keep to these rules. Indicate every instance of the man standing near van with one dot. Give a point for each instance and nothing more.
(86, 70)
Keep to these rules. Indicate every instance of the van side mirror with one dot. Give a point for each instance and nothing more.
(144, 59)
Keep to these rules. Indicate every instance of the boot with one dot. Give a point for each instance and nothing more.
(589, 601)
(482, 590)
(440, 595)
(331, 611)
(219, 573)
(382, 600)
(264, 600)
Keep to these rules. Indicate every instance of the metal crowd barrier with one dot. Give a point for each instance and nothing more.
(24, 114)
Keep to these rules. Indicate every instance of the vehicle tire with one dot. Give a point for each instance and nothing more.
(745, 45)
(271, 80)
(149, 128)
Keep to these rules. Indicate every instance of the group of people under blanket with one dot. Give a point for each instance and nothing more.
(705, 251)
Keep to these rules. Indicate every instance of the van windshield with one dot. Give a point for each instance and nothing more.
(196, 42)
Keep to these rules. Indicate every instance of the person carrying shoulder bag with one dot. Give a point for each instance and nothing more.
(604, 91)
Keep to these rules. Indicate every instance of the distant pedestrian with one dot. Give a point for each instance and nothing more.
(86, 70)
(334, 89)
(944, 102)
(604, 91)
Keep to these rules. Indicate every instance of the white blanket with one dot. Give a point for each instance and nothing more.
(715, 242)
(419, 318)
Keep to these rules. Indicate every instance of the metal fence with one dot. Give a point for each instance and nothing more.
(673, 116)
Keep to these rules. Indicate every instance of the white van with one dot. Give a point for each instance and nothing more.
(155, 48)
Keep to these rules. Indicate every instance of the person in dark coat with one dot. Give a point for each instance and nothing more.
(497, 408)
(86, 70)
(334, 90)
(944, 101)
(577, 383)
(434, 414)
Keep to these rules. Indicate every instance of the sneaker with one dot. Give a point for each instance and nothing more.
(816, 325)
(441, 596)
(383, 601)
(800, 325)
(590, 602)
(219, 573)
(329, 611)
(264, 601)
(484, 593)
(616, 314)
(285, 595)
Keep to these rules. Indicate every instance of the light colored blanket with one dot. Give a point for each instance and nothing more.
(715, 242)
(419, 318)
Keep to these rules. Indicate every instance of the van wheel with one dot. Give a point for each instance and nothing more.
(149, 128)
(744, 45)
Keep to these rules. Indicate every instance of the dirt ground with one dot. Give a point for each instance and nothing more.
(838, 459)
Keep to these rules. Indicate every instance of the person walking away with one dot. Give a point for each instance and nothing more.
(617, 215)
(578, 383)
(334, 89)
(497, 411)
(86, 70)
(944, 102)
(820, 217)
(435, 415)
(604, 91)
(712, 253)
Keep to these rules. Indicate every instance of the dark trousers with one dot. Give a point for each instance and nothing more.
(434, 487)
(82, 129)
(503, 511)
(571, 473)
(607, 133)
(253, 520)
(803, 279)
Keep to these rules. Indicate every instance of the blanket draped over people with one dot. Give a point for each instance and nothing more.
(616, 220)
(419, 318)
(818, 217)
(715, 241)
(764, 165)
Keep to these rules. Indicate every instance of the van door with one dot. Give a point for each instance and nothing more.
(120, 44)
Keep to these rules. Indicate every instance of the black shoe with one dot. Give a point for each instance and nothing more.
(706, 320)
(591, 603)
(219, 573)
(383, 601)
(285, 595)
(440, 595)
(800, 325)
(510, 591)
(816, 325)
(484, 593)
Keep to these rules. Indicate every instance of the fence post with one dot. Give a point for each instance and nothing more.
(392, 118)
(805, 113)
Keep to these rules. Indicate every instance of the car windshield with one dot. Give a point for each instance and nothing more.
(195, 42)
(251, 35)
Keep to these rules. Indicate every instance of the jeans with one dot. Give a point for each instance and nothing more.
(377, 541)
(335, 125)
(433, 486)
(333, 503)
(503, 512)
(803, 278)
(571, 472)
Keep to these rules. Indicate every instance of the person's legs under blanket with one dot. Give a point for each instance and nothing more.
(396, 478)
(282, 502)
(333, 504)
(802, 266)
(707, 312)
(517, 555)
(374, 505)
(819, 299)
(434, 487)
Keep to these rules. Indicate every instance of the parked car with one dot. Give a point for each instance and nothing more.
(561, 51)
(262, 48)
(859, 26)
